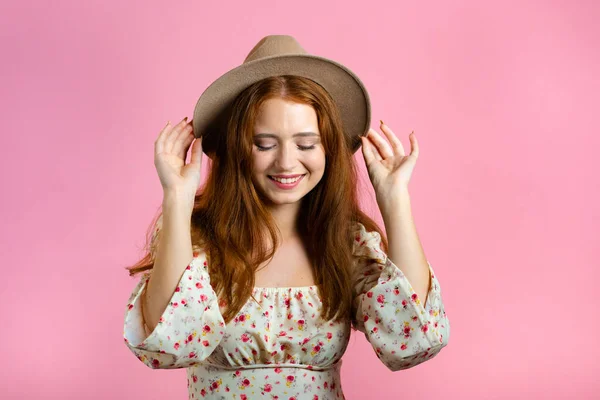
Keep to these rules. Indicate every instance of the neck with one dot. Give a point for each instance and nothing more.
(286, 217)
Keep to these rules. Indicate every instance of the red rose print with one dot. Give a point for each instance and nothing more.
(206, 328)
(268, 387)
(290, 378)
(380, 298)
(243, 397)
(246, 382)
(155, 363)
(369, 294)
(205, 343)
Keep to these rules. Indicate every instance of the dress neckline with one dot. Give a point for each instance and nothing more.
(283, 288)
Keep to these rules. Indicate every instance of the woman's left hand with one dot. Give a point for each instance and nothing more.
(389, 168)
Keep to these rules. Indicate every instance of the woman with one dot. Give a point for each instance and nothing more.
(254, 283)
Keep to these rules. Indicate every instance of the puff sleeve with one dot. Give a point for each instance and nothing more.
(403, 331)
(189, 329)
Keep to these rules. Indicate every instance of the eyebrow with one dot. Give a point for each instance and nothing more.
(272, 135)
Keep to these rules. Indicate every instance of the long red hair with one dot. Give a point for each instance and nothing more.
(229, 218)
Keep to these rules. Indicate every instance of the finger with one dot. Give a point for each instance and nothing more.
(394, 141)
(185, 146)
(380, 143)
(196, 157)
(171, 136)
(183, 141)
(414, 151)
(369, 151)
(159, 142)
(376, 150)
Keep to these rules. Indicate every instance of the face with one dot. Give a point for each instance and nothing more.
(288, 157)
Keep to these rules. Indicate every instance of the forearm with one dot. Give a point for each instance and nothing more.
(405, 248)
(173, 254)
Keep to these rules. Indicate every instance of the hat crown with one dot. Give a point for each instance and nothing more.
(274, 45)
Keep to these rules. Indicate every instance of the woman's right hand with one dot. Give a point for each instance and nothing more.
(170, 151)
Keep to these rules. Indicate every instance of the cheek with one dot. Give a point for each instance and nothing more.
(260, 163)
(316, 162)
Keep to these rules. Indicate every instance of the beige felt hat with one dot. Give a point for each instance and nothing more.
(282, 55)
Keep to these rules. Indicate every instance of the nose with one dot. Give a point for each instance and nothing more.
(286, 158)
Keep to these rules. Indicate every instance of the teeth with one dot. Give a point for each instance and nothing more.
(286, 180)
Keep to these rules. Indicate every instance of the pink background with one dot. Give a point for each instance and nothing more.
(502, 98)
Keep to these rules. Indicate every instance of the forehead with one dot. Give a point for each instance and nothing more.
(280, 116)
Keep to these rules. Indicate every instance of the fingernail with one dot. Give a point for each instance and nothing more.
(381, 122)
(185, 119)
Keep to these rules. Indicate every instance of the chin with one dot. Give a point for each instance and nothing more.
(284, 198)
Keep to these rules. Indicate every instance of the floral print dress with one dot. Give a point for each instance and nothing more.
(279, 347)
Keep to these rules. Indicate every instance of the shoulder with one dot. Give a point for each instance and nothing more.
(366, 243)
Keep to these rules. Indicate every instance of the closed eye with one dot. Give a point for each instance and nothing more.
(303, 148)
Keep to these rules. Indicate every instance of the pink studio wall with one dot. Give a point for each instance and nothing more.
(503, 98)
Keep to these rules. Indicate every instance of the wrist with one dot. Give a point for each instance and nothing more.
(395, 205)
(177, 202)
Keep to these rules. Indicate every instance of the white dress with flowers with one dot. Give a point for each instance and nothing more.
(279, 347)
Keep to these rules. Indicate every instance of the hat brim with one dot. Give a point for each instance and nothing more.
(348, 92)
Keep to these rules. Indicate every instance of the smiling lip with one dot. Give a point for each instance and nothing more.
(286, 176)
(287, 186)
